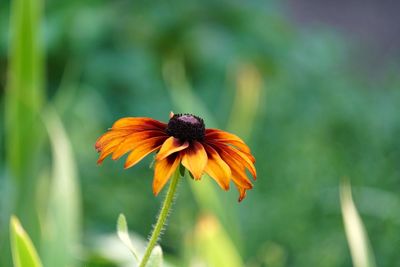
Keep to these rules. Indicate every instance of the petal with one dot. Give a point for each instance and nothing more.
(171, 145)
(139, 123)
(238, 156)
(225, 137)
(242, 192)
(109, 136)
(107, 149)
(195, 159)
(250, 156)
(238, 170)
(163, 171)
(126, 134)
(217, 168)
(133, 140)
(143, 149)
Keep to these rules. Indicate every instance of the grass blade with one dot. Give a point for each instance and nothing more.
(25, 88)
(23, 252)
(247, 100)
(213, 245)
(63, 215)
(360, 249)
(22, 102)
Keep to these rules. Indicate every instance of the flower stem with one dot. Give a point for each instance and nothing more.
(162, 217)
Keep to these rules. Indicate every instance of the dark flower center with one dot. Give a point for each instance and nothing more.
(186, 127)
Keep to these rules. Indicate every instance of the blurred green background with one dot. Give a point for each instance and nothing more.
(307, 100)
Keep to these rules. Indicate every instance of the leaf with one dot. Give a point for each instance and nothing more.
(123, 234)
(23, 252)
(213, 245)
(360, 249)
(62, 219)
(25, 88)
(247, 100)
(156, 257)
(23, 99)
(181, 91)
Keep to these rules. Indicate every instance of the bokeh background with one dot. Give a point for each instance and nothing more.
(312, 86)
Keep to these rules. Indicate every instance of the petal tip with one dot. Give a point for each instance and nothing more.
(198, 178)
(241, 197)
(156, 190)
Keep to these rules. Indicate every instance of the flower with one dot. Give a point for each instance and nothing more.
(183, 140)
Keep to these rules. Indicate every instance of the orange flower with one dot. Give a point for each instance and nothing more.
(183, 140)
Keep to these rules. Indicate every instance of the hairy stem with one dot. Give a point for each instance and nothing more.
(162, 217)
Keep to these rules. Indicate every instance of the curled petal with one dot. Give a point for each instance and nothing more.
(238, 155)
(217, 168)
(171, 145)
(163, 171)
(107, 149)
(134, 140)
(239, 176)
(195, 159)
(110, 136)
(242, 192)
(139, 123)
(143, 149)
(225, 137)
(127, 134)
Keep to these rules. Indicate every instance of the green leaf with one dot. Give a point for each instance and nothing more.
(180, 90)
(23, 100)
(123, 234)
(25, 88)
(63, 211)
(360, 248)
(213, 246)
(156, 257)
(23, 252)
(247, 100)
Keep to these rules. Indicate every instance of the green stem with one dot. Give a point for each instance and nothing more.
(162, 217)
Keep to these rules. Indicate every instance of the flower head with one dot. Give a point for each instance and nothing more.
(183, 140)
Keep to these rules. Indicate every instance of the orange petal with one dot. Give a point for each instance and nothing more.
(217, 168)
(250, 156)
(109, 136)
(143, 149)
(171, 145)
(238, 156)
(195, 159)
(133, 140)
(225, 137)
(241, 181)
(139, 123)
(242, 192)
(163, 171)
(238, 170)
(107, 149)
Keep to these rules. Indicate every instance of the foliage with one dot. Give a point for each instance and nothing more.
(311, 118)
(24, 253)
